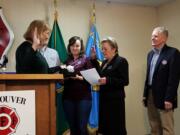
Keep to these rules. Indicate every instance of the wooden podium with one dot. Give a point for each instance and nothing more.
(44, 86)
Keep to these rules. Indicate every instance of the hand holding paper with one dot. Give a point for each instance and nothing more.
(91, 75)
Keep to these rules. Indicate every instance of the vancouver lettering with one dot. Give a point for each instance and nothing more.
(12, 99)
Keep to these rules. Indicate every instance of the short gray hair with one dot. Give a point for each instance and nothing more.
(112, 42)
(162, 30)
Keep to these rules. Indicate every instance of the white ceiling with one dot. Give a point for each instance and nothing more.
(154, 3)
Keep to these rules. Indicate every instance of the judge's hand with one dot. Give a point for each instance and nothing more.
(36, 40)
(77, 77)
(69, 68)
(63, 66)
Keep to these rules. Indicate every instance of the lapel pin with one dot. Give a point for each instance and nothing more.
(164, 62)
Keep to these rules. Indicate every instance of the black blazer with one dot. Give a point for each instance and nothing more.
(29, 61)
(117, 75)
(166, 77)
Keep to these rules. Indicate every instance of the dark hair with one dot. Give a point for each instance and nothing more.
(72, 41)
(41, 27)
(112, 42)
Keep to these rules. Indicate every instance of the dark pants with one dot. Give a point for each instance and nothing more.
(77, 114)
(112, 117)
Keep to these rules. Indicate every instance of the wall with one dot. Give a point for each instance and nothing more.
(169, 16)
(130, 25)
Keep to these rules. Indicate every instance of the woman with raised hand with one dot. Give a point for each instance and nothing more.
(28, 58)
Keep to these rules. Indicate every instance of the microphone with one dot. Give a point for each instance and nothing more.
(5, 61)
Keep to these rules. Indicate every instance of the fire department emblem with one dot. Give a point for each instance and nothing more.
(9, 120)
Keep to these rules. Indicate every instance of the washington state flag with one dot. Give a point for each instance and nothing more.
(56, 41)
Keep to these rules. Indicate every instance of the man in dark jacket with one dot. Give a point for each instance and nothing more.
(161, 85)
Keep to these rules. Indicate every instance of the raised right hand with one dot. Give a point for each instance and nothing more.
(36, 40)
(93, 53)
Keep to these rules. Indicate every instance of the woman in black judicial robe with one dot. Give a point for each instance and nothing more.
(114, 76)
(28, 59)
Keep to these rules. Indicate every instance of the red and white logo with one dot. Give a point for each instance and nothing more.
(9, 120)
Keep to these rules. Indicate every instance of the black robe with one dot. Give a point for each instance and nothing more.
(29, 61)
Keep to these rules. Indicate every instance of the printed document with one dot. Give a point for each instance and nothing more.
(91, 75)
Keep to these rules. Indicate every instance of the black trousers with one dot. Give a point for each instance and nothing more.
(112, 117)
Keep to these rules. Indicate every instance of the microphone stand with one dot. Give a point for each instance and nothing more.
(3, 65)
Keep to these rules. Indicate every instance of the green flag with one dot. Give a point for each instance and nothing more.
(56, 41)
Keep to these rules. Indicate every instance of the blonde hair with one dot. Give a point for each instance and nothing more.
(112, 42)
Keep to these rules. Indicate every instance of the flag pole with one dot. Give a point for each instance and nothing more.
(55, 4)
(94, 12)
(55, 20)
(56, 39)
(95, 87)
(94, 22)
(55, 8)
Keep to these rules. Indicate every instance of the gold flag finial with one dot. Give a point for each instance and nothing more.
(55, 15)
(55, 8)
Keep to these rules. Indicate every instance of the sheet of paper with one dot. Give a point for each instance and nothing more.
(91, 75)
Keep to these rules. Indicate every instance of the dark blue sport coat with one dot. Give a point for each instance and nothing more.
(166, 77)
